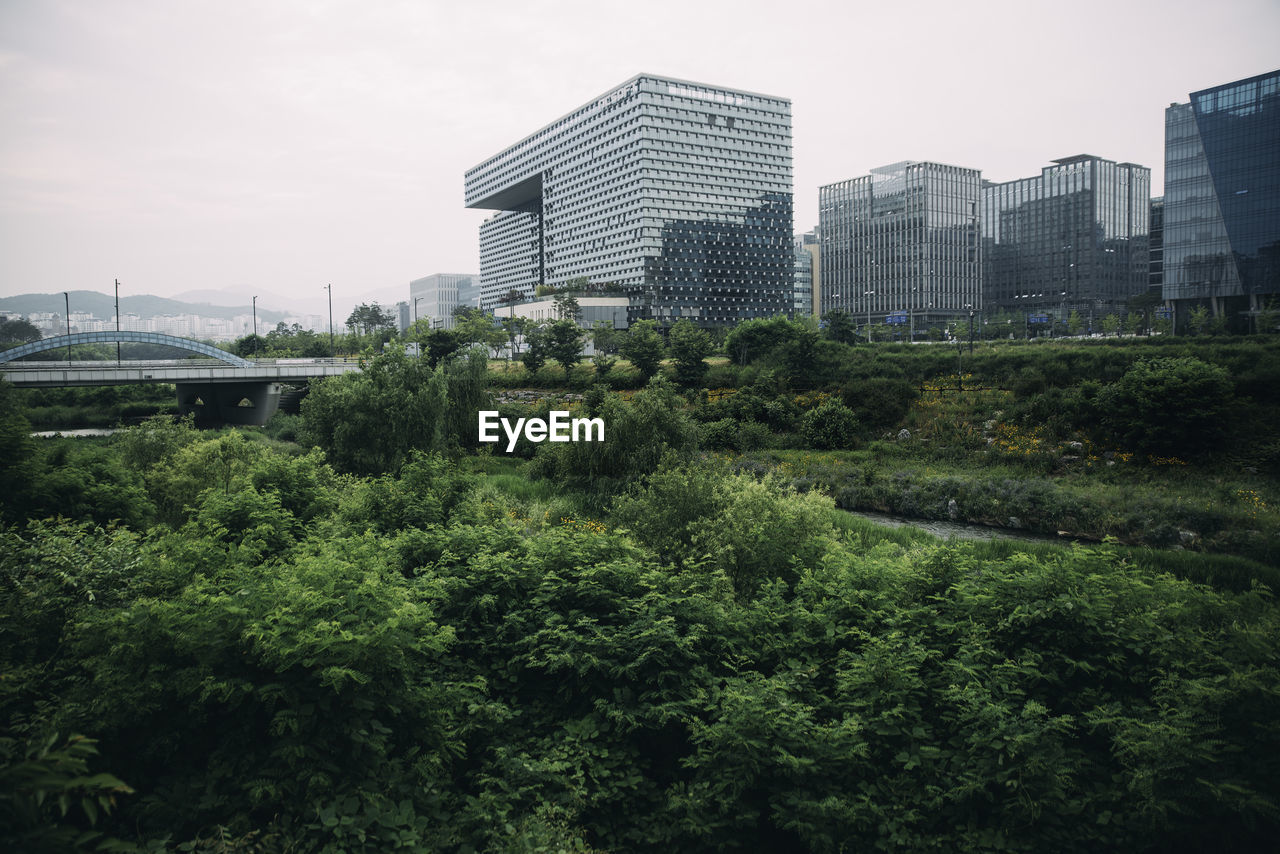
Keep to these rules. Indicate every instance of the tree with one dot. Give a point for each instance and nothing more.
(643, 347)
(16, 331)
(605, 338)
(839, 327)
(516, 328)
(1198, 319)
(368, 421)
(1133, 323)
(689, 347)
(756, 338)
(1268, 317)
(1075, 323)
(567, 307)
(1110, 324)
(370, 318)
(250, 345)
(564, 344)
(535, 352)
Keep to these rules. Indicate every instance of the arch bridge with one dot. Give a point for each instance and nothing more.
(221, 387)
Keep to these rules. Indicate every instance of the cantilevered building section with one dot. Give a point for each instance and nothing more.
(1222, 200)
(901, 245)
(678, 192)
(1073, 238)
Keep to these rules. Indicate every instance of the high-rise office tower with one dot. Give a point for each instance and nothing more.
(901, 244)
(678, 192)
(437, 296)
(1222, 200)
(1073, 238)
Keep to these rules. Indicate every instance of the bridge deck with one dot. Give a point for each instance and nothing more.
(51, 374)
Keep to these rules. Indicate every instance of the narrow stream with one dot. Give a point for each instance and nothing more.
(959, 530)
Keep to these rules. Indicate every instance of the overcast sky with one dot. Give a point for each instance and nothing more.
(273, 146)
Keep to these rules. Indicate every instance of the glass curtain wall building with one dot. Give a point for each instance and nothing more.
(901, 244)
(436, 296)
(1073, 238)
(678, 192)
(1222, 200)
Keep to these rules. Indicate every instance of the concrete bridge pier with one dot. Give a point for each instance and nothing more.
(247, 403)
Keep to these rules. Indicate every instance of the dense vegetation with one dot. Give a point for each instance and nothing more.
(387, 638)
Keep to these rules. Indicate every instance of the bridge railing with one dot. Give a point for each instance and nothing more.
(55, 364)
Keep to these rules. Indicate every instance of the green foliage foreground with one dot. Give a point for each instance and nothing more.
(429, 665)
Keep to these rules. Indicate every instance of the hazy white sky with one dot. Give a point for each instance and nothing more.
(271, 146)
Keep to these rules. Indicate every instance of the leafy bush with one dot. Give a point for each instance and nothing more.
(829, 426)
(1168, 407)
(636, 437)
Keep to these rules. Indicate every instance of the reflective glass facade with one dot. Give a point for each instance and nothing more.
(678, 191)
(1075, 237)
(1222, 195)
(436, 296)
(904, 238)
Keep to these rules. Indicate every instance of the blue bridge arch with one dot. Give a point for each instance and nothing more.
(62, 341)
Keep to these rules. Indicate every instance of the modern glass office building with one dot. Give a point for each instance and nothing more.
(1073, 238)
(901, 242)
(679, 192)
(1222, 199)
(438, 295)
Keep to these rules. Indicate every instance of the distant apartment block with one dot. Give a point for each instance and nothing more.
(1073, 238)
(435, 297)
(678, 192)
(1222, 200)
(901, 245)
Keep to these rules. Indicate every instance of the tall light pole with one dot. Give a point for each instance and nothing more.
(255, 326)
(67, 299)
(117, 323)
(416, 300)
(329, 288)
(868, 295)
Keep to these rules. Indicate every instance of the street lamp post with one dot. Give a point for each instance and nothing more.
(329, 288)
(416, 300)
(255, 326)
(970, 332)
(868, 295)
(117, 323)
(67, 300)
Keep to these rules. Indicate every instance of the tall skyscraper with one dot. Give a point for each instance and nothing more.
(436, 296)
(678, 192)
(1073, 238)
(1222, 199)
(901, 244)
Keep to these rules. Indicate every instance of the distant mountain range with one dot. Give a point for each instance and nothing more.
(206, 303)
(103, 305)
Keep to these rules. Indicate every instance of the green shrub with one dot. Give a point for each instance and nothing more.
(829, 426)
(1168, 407)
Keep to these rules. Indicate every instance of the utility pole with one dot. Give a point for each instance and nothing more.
(255, 326)
(67, 299)
(117, 323)
(329, 288)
